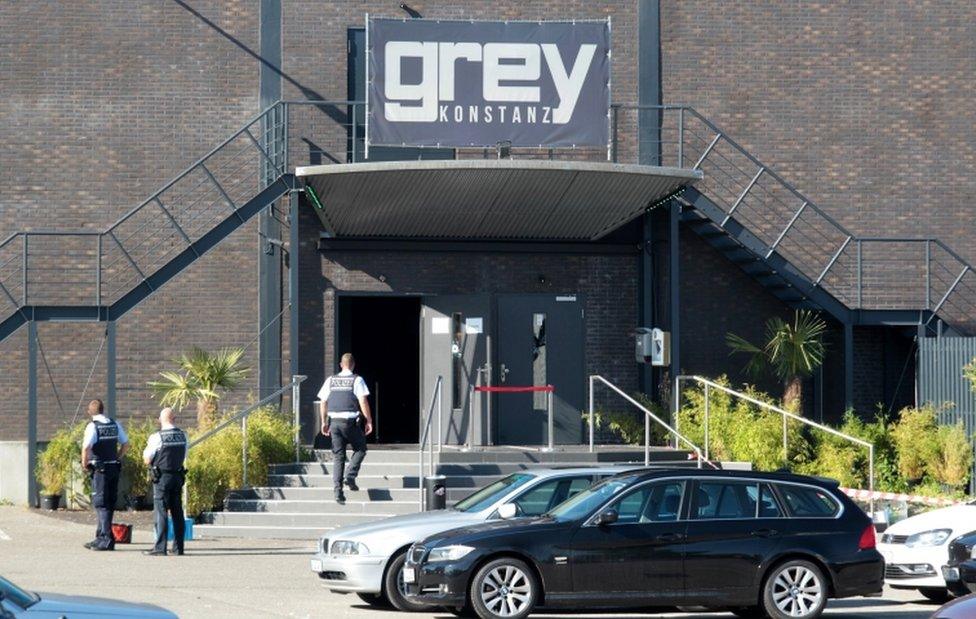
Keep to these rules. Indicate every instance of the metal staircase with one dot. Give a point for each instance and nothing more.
(99, 276)
(801, 254)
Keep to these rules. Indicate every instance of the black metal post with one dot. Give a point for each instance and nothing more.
(32, 498)
(848, 365)
(269, 252)
(293, 253)
(674, 282)
(110, 375)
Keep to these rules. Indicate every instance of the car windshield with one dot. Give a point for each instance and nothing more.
(583, 504)
(492, 493)
(13, 593)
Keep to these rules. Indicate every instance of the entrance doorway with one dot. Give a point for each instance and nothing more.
(383, 333)
(540, 342)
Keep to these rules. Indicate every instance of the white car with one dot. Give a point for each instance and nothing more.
(368, 559)
(916, 548)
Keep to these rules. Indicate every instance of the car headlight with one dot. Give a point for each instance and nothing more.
(449, 553)
(343, 547)
(972, 553)
(935, 537)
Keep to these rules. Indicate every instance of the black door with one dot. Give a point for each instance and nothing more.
(540, 342)
(638, 560)
(734, 527)
(382, 333)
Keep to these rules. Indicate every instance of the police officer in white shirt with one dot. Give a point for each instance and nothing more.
(341, 399)
(102, 447)
(165, 454)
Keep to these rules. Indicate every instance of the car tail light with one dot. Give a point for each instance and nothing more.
(868, 540)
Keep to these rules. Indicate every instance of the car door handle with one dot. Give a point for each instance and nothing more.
(765, 533)
(670, 537)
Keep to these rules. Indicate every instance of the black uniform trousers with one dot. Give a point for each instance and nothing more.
(346, 432)
(168, 497)
(105, 492)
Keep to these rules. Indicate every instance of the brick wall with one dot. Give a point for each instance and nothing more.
(102, 104)
(864, 106)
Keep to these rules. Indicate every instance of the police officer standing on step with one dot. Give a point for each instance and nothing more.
(341, 399)
(165, 454)
(102, 447)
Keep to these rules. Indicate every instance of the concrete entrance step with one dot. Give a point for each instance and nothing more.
(209, 531)
(378, 495)
(473, 468)
(324, 506)
(335, 518)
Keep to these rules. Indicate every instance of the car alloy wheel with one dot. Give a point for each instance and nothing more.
(395, 589)
(504, 588)
(795, 589)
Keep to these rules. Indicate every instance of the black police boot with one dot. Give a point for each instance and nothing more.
(154, 553)
(351, 484)
(340, 498)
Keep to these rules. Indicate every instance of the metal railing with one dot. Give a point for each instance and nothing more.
(862, 272)
(648, 417)
(97, 268)
(242, 415)
(708, 385)
(427, 440)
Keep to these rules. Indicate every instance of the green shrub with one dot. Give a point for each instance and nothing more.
(56, 462)
(628, 426)
(954, 460)
(134, 470)
(740, 430)
(215, 466)
(916, 440)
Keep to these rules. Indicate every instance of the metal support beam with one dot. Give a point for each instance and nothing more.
(648, 82)
(293, 296)
(674, 283)
(848, 365)
(32, 496)
(110, 375)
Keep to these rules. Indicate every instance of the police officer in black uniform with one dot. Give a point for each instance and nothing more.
(102, 448)
(165, 454)
(342, 399)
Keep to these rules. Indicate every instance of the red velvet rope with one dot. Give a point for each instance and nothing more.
(546, 388)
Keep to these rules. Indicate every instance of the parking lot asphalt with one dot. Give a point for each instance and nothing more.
(247, 578)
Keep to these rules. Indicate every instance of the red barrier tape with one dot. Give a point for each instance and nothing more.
(546, 388)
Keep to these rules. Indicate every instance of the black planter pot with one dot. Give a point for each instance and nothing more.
(51, 502)
(139, 503)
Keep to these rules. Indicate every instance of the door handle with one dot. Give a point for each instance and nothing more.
(670, 537)
(765, 533)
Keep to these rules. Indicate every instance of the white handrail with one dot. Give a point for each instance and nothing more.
(435, 398)
(648, 416)
(710, 384)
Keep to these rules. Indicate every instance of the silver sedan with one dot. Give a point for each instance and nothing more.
(368, 559)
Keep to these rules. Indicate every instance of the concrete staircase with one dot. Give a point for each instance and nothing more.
(298, 501)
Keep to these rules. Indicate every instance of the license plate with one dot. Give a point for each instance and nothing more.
(409, 575)
(950, 573)
(316, 565)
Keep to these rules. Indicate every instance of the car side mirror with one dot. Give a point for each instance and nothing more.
(508, 511)
(607, 516)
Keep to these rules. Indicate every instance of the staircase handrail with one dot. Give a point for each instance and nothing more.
(648, 417)
(435, 398)
(242, 415)
(932, 304)
(787, 415)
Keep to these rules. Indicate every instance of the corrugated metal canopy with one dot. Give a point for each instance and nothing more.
(487, 199)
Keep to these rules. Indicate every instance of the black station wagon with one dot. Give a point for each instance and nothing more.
(758, 544)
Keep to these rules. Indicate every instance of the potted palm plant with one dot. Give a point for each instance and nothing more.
(201, 378)
(792, 350)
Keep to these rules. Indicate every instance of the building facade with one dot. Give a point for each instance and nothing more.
(861, 107)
